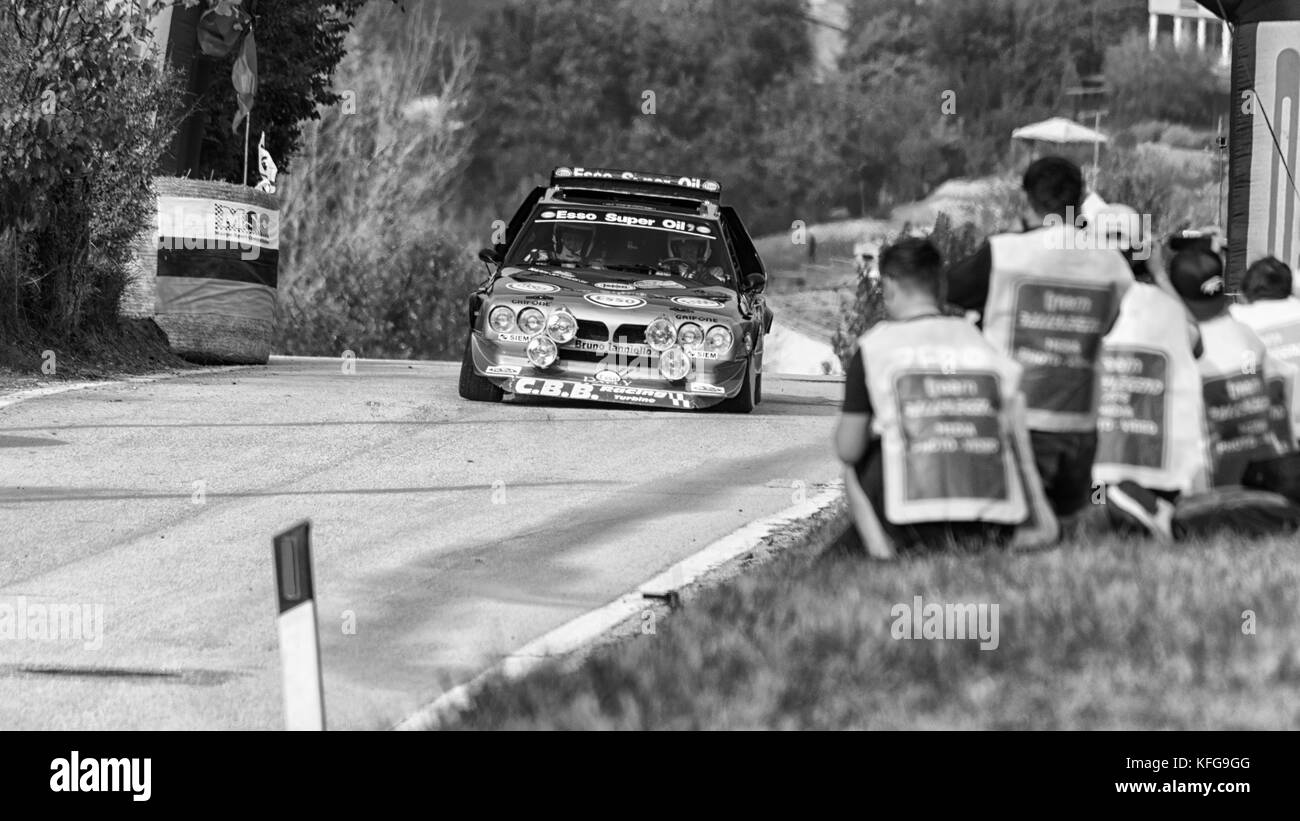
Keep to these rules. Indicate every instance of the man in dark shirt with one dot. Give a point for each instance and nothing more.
(912, 274)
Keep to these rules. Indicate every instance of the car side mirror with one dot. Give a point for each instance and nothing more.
(490, 255)
(756, 281)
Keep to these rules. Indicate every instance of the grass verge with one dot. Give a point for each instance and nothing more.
(1099, 633)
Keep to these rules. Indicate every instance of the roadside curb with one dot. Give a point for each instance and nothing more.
(10, 399)
(801, 531)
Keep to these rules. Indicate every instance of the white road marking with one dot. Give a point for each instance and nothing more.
(587, 628)
(51, 390)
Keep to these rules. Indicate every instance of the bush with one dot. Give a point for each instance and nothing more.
(1148, 131)
(372, 259)
(1175, 190)
(868, 307)
(1180, 136)
(409, 303)
(81, 125)
(1178, 85)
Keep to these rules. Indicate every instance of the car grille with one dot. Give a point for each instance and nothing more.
(631, 334)
(592, 331)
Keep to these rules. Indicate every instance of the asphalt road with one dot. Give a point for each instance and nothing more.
(446, 533)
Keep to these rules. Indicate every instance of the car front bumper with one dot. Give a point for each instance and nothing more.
(623, 374)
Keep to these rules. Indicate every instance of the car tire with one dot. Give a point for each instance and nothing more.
(474, 387)
(744, 401)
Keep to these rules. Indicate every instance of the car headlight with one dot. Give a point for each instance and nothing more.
(542, 351)
(690, 335)
(562, 327)
(674, 364)
(660, 335)
(718, 339)
(531, 321)
(501, 319)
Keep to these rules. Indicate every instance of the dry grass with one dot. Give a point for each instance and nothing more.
(1100, 633)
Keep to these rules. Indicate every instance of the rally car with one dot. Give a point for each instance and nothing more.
(621, 287)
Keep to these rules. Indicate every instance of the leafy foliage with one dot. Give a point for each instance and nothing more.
(300, 42)
(1165, 83)
(81, 116)
(369, 259)
(955, 242)
(569, 82)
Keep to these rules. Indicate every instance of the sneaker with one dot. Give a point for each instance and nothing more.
(1141, 507)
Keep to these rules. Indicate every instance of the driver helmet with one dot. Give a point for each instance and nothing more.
(676, 245)
(573, 240)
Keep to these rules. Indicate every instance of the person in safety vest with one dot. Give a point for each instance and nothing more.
(928, 430)
(1149, 435)
(1242, 443)
(1046, 297)
(1273, 314)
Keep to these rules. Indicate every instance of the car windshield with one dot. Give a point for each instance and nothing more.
(636, 242)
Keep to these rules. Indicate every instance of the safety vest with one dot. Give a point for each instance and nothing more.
(1277, 324)
(1149, 427)
(940, 397)
(1052, 296)
(1236, 401)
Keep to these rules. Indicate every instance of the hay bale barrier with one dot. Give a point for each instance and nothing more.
(210, 280)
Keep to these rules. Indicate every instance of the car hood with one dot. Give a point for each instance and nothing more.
(617, 291)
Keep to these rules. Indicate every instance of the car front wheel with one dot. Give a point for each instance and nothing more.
(472, 386)
(744, 401)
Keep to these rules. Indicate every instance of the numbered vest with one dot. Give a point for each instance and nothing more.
(1149, 427)
(1238, 424)
(1052, 296)
(939, 393)
(1277, 324)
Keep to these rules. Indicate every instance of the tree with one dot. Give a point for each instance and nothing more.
(81, 116)
(300, 42)
(673, 86)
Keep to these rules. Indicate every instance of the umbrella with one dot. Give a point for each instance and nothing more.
(1058, 130)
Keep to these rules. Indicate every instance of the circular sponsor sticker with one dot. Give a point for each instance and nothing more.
(615, 286)
(532, 287)
(658, 283)
(548, 215)
(703, 229)
(696, 302)
(615, 300)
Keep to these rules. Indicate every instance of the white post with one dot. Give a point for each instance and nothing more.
(1153, 29)
(1225, 43)
(1200, 34)
(1178, 31)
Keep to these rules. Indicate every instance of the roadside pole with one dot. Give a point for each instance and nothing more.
(304, 698)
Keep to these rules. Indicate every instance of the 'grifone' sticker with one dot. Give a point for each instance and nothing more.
(696, 302)
(615, 300)
(533, 287)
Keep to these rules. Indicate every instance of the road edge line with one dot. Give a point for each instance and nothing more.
(8, 400)
(586, 629)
